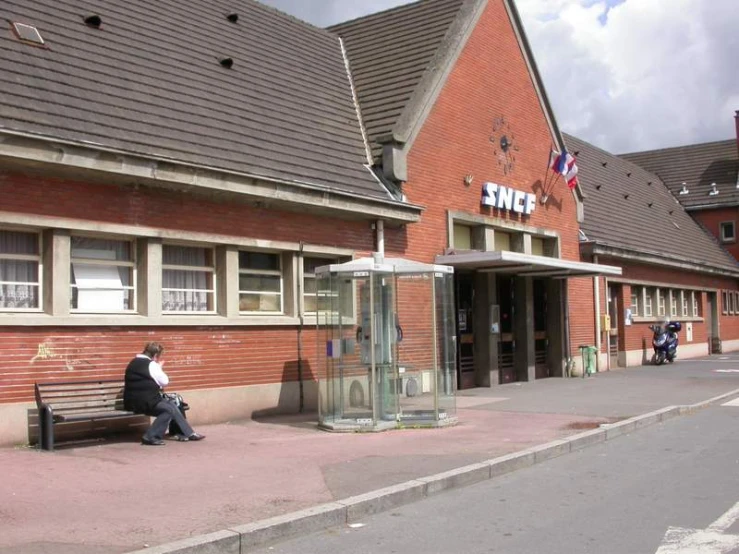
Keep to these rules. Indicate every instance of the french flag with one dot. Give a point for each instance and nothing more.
(564, 164)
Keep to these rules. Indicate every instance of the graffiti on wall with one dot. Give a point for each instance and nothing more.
(71, 358)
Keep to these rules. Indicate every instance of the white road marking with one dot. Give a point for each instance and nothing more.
(734, 402)
(711, 540)
(726, 370)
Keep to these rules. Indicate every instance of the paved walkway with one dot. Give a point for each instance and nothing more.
(118, 497)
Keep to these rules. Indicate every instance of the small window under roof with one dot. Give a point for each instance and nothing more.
(28, 33)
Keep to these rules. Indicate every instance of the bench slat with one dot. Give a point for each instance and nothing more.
(84, 416)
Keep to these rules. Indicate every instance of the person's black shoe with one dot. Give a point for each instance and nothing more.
(196, 437)
(152, 442)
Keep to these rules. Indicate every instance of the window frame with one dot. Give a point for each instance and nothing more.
(132, 264)
(661, 302)
(722, 226)
(270, 272)
(636, 292)
(38, 258)
(648, 302)
(212, 270)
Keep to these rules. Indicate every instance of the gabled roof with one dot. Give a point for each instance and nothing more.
(698, 166)
(630, 212)
(149, 81)
(391, 53)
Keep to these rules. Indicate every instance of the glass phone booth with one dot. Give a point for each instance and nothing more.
(386, 345)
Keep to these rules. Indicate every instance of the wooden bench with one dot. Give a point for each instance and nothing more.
(77, 401)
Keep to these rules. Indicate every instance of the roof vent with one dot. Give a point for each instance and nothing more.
(714, 190)
(684, 190)
(233, 17)
(227, 63)
(626, 196)
(93, 21)
(650, 204)
(649, 183)
(628, 173)
(28, 33)
(604, 164)
(597, 187)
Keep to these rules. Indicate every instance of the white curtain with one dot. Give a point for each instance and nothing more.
(188, 300)
(21, 295)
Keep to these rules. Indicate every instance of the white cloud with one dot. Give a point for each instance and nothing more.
(653, 73)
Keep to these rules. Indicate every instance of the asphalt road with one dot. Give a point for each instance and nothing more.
(672, 488)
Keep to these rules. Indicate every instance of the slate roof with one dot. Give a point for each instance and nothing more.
(390, 52)
(698, 166)
(149, 81)
(627, 207)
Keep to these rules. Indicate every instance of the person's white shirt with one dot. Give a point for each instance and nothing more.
(156, 371)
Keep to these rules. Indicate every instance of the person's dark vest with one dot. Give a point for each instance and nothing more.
(140, 393)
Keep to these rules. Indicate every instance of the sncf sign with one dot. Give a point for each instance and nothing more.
(504, 198)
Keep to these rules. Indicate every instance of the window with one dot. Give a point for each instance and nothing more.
(727, 231)
(102, 275)
(730, 296)
(673, 302)
(724, 302)
(315, 299)
(20, 263)
(696, 297)
(502, 241)
(686, 303)
(260, 282)
(648, 303)
(188, 279)
(661, 302)
(462, 237)
(636, 293)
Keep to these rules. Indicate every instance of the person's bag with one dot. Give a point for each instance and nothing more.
(177, 400)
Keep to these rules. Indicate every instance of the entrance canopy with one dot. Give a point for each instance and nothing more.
(524, 264)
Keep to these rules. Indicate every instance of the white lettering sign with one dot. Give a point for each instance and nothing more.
(504, 198)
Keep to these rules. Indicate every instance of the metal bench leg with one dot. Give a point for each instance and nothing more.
(46, 428)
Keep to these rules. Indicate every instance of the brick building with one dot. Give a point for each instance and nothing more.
(176, 173)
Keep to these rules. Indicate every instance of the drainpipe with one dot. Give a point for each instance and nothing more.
(566, 310)
(380, 227)
(300, 328)
(596, 286)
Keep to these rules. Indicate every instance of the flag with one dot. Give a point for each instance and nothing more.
(564, 164)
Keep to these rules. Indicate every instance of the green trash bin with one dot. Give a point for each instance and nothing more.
(587, 353)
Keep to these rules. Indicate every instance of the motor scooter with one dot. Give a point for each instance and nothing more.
(665, 341)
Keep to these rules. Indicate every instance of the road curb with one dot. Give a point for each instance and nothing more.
(239, 539)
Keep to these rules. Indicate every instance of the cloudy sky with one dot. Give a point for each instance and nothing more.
(625, 75)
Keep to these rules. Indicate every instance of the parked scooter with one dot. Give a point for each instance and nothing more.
(664, 341)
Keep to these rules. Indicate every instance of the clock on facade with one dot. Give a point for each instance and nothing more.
(504, 144)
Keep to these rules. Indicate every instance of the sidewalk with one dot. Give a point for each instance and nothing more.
(119, 497)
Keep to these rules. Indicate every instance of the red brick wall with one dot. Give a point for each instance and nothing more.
(638, 335)
(194, 357)
(489, 80)
(711, 220)
(33, 194)
(201, 357)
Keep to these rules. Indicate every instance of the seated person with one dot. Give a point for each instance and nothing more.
(144, 381)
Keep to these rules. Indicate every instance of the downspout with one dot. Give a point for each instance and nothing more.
(566, 310)
(301, 321)
(380, 228)
(596, 287)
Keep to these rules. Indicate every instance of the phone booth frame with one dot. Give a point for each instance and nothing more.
(386, 345)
